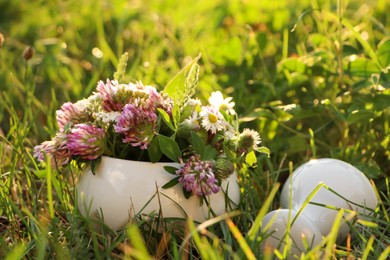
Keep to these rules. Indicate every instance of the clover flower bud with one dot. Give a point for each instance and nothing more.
(28, 53)
(185, 128)
(1, 40)
(223, 168)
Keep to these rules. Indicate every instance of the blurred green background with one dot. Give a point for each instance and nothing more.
(299, 71)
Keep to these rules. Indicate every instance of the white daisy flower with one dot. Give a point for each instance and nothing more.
(193, 102)
(212, 119)
(216, 100)
(192, 120)
(230, 132)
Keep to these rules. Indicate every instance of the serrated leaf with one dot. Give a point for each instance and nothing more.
(176, 115)
(251, 159)
(182, 85)
(170, 169)
(121, 67)
(154, 151)
(209, 153)
(197, 143)
(166, 118)
(169, 147)
(171, 183)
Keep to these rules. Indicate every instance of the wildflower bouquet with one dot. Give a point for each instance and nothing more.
(134, 121)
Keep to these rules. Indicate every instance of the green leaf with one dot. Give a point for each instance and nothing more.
(265, 150)
(40, 173)
(293, 65)
(362, 67)
(251, 159)
(360, 116)
(94, 164)
(154, 150)
(258, 113)
(230, 154)
(282, 115)
(333, 109)
(197, 143)
(182, 85)
(261, 39)
(169, 147)
(217, 138)
(171, 183)
(166, 118)
(383, 54)
(209, 153)
(170, 169)
(187, 194)
(381, 101)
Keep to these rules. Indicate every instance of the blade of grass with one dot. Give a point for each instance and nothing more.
(368, 248)
(49, 188)
(139, 249)
(201, 245)
(205, 224)
(240, 239)
(18, 252)
(332, 236)
(384, 255)
(263, 211)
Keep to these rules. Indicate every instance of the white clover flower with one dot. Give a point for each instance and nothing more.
(83, 103)
(212, 119)
(216, 100)
(106, 117)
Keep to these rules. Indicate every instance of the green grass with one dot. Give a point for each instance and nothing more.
(311, 76)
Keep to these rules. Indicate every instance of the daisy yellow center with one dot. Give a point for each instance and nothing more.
(213, 118)
(223, 107)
